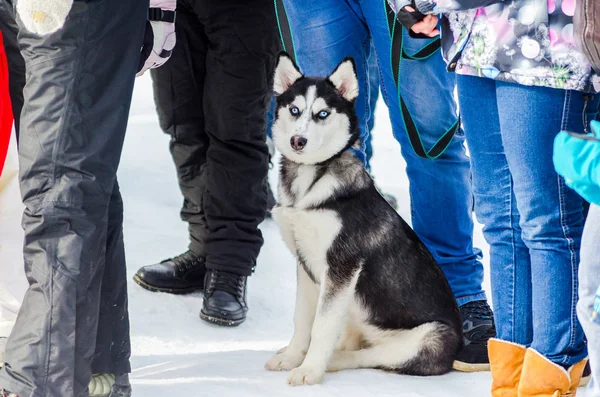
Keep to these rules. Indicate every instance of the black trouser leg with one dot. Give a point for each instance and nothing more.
(178, 90)
(113, 346)
(239, 67)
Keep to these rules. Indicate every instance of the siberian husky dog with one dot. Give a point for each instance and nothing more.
(370, 294)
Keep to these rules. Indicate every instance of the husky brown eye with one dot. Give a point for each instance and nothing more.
(295, 111)
(323, 114)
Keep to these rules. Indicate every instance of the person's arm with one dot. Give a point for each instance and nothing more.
(418, 24)
(43, 17)
(439, 6)
(587, 30)
(418, 15)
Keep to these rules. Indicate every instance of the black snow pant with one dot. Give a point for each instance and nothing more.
(76, 104)
(212, 98)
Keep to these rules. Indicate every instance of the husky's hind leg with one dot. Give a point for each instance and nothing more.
(351, 340)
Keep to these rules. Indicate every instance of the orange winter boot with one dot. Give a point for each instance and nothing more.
(543, 378)
(506, 362)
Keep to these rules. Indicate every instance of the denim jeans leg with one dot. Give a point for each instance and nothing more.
(495, 207)
(325, 32)
(441, 196)
(373, 97)
(551, 213)
(588, 307)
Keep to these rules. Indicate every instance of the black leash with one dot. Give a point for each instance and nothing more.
(398, 53)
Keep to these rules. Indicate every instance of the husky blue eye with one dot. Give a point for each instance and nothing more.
(294, 111)
(323, 114)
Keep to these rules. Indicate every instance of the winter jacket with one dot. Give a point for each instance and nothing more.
(587, 30)
(6, 114)
(528, 42)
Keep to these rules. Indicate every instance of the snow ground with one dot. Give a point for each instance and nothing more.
(174, 352)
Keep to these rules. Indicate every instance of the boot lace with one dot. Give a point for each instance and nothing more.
(478, 322)
(228, 282)
(186, 261)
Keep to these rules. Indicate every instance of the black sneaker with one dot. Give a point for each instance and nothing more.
(586, 376)
(224, 299)
(180, 275)
(478, 328)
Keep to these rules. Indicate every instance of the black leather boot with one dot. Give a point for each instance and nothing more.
(179, 275)
(224, 298)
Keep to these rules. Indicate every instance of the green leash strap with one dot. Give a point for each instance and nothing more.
(398, 53)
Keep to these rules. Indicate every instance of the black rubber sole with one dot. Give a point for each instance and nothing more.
(220, 321)
(173, 291)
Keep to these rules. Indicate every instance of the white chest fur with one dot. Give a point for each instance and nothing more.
(309, 234)
(306, 191)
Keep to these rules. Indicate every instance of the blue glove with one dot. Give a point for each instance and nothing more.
(577, 159)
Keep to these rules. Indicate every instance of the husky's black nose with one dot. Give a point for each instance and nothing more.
(298, 142)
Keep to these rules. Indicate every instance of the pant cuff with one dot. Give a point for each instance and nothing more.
(242, 271)
(471, 298)
(118, 368)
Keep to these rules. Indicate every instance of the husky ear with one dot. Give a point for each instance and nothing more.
(344, 78)
(286, 74)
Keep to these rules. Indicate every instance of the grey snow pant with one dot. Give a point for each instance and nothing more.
(76, 104)
(588, 308)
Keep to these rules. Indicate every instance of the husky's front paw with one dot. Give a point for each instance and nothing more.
(283, 361)
(305, 376)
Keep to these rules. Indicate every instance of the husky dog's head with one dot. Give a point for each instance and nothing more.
(315, 118)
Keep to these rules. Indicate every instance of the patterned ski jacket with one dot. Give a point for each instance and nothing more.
(528, 42)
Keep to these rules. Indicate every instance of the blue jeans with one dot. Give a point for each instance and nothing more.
(373, 96)
(588, 307)
(532, 221)
(327, 31)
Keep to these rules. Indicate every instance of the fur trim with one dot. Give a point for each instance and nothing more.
(510, 343)
(43, 17)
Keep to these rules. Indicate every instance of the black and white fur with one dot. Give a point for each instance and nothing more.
(370, 294)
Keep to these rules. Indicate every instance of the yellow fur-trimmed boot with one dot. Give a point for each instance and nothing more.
(542, 378)
(506, 363)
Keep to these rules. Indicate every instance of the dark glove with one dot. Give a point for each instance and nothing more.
(408, 18)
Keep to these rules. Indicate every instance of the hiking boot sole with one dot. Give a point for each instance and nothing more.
(220, 321)
(175, 291)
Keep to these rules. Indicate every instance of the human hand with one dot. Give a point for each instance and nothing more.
(427, 26)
